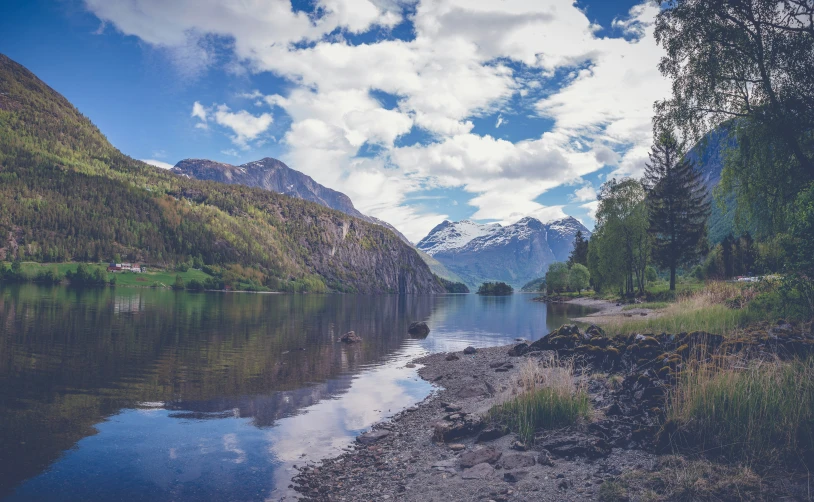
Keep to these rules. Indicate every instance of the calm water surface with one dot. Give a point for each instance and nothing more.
(132, 394)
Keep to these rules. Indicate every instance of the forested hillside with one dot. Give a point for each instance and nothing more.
(67, 194)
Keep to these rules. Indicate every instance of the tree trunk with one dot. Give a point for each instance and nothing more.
(672, 277)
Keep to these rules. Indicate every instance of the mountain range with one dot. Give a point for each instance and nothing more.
(275, 176)
(515, 254)
(66, 194)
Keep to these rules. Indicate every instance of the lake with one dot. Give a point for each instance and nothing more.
(139, 394)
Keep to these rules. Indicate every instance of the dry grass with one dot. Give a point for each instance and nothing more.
(703, 310)
(546, 395)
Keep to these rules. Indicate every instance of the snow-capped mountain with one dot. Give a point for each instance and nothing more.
(514, 253)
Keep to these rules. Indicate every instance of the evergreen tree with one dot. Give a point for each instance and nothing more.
(677, 202)
(580, 252)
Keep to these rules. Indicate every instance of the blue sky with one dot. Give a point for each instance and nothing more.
(419, 110)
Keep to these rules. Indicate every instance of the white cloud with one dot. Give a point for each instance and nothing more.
(199, 111)
(468, 58)
(583, 194)
(158, 163)
(246, 127)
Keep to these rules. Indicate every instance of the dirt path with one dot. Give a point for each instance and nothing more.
(610, 312)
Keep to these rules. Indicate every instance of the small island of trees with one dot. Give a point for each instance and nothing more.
(495, 289)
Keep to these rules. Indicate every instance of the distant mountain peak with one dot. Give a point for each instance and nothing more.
(515, 253)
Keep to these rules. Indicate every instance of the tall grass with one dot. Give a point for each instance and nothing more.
(702, 310)
(547, 396)
(756, 411)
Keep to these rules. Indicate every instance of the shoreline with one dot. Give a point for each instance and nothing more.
(609, 311)
(446, 448)
(408, 457)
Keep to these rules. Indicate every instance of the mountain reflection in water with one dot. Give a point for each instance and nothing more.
(133, 394)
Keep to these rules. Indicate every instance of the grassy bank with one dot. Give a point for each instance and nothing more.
(759, 412)
(151, 278)
(547, 396)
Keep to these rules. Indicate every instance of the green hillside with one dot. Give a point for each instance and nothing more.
(66, 194)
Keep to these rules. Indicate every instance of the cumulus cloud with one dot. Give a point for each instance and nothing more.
(245, 126)
(584, 194)
(467, 59)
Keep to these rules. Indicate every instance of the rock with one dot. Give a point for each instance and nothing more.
(595, 331)
(372, 436)
(419, 329)
(492, 433)
(452, 408)
(444, 465)
(518, 350)
(514, 477)
(470, 350)
(519, 446)
(544, 458)
(479, 471)
(350, 337)
(457, 447)
(452, 357)
(576, 445)
(409, 365)
(474, 457)
(445, 431)
(516, 461)
(474, 390)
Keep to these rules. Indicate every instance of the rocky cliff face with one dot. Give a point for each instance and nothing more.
(514, 254)
(275, 176)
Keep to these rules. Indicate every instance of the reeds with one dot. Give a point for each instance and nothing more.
(760, 412)
(547, 396)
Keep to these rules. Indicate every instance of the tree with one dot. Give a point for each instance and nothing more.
(677, 202)
(620, 246)
(580, 252)
(556, 279)
(726, 255)
(747, 67)
(745, 59)
(178, 284)
(579, 277)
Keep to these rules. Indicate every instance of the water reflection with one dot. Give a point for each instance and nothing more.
(142, 394)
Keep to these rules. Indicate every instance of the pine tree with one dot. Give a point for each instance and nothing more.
(678, 204)
(580, 252)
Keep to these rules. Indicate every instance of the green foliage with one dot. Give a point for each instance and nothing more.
(178, 285)
(85, 275)
(453, 287)
(579, 277)
(534, 285)
(557, 278)
(195, 285)
(620, 247)
(580, 252)
(542, 408)
(48, 276)
(677, 204)
(495, 289)
(650, 274)
(647, 305)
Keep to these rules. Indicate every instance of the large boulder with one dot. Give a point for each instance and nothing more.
(418, 329)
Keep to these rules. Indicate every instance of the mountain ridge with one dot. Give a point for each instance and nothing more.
(66, 194)
(515, 253)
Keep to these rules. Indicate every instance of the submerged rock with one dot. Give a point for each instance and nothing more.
(350, 337)
(419, 329)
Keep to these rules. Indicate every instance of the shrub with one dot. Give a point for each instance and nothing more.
(51, 276)
(178, 285)
(548, 397)
(195, 285)
(86, 276)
